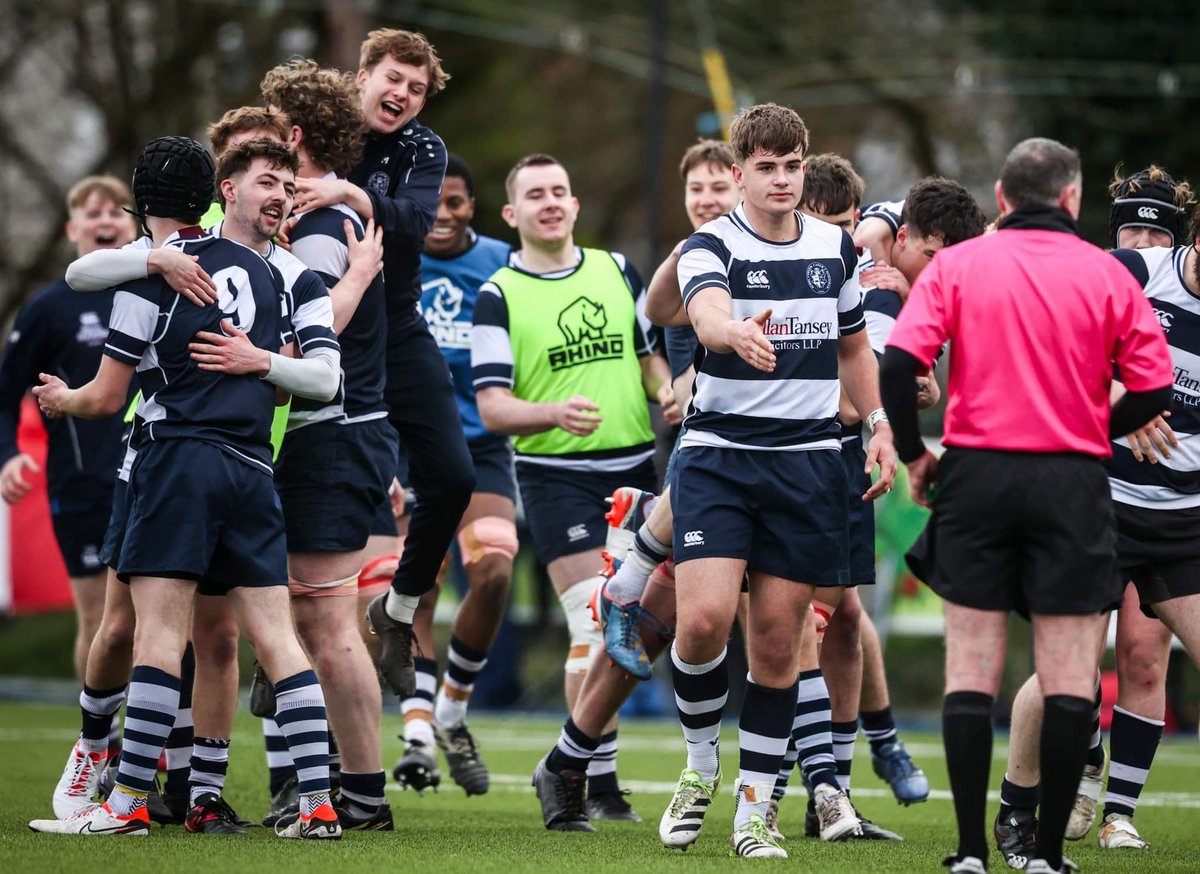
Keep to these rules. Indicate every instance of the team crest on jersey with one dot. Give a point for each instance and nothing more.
(818, 277)
(92, 331)
(378, 182)
(582, 324)
(442, 313)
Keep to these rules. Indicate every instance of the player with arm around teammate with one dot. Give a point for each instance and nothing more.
(194, 415)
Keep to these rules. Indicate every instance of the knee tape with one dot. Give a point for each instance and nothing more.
(824, 613)
(489, 535)
(581, 627)
(347, 586)
(376, 575)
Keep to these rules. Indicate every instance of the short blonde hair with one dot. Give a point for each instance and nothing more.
(405, 47)
(108, 187)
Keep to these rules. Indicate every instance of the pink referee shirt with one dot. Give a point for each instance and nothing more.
(1036, 320)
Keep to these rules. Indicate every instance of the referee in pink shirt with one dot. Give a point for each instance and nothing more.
(1037, 320)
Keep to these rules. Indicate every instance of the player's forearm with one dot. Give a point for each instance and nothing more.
(858, 371)
(655, 374)
(506, 414)
(91, 402)
(359, 201)
(664, 305)
(105, 268)
(346, 296)
(712, 324)
(317, 375)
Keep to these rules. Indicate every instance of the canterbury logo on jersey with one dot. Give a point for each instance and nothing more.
(1164, 319)
(1147, 212)
(693, 538)
(583, 323)
(758, 279)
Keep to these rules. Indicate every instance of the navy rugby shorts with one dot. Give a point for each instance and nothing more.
(332, 479)
(565, 509)
(197, 512)
(784, 513)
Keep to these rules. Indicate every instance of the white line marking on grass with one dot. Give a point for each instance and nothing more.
(520, 784)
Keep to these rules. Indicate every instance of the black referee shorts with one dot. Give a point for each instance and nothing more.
(1031, 532)
(1159, 550)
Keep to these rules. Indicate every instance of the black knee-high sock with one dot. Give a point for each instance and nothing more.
(1066, 727)
(967, 735)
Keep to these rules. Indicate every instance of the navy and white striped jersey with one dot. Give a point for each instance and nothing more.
(889, 211)
(319, 240)
(151, 327)
(880, 307)
(1173, 483)
(811, 286)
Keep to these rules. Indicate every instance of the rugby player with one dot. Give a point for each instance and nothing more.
(936, 213)
(763, 420)
(563, 361)
(60, 332)
(709, 193)
(455, 263)
(194, 411)
(397, 183)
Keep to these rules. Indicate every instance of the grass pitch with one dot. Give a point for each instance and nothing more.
(502, 831)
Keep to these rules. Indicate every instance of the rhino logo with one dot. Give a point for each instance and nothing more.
(447, 301)
(582, 320)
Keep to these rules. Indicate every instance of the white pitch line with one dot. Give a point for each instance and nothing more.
(521, 784)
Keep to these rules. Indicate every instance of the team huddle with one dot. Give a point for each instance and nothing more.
(273, 413)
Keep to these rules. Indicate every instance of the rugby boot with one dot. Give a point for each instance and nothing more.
(684, 817)
(80, 780)
(561, 797)
(1118, 832)
(754, 841)
(212, 815)
(1016, 835)
(611, 806)
(285, 801)
(96, 819)
(772, 820)
(621, 625)
(1041, 866)
(965, 865)
(417, 768)
(872, 831)
(395, 649)
(1083, 811)
(262, 694)
(894, 765)
(835, 813)
(462, 755)
(628, 509)
(353, 819)
(321, 824)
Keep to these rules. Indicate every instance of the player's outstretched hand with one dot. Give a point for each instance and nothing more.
(50, 395)
(577, 415)
(922, 476)
(747, 339)
(885, 277)
(881, 451)
(366, 255)
(184, 274)
(13, 485)
(1153, 441)
(231, 352)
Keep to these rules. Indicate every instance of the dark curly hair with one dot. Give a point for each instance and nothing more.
(325, 105)
(942, 208)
